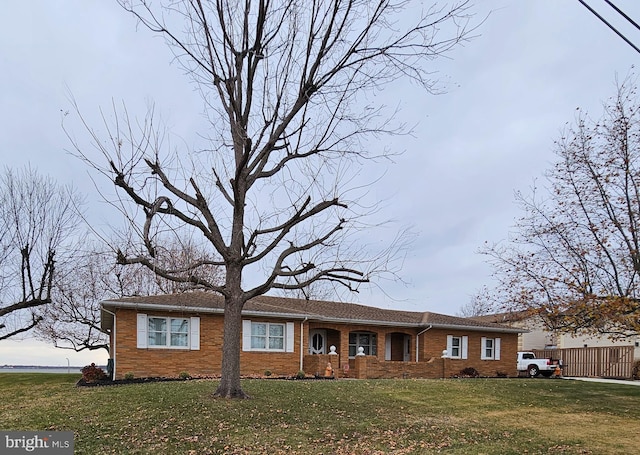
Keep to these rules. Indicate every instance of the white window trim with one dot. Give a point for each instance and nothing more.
(289, 333)
(464, 347)
(193, 341)
(496, 349)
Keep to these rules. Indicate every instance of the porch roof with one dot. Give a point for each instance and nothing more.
(315, 310)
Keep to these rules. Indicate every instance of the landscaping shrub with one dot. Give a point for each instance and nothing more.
(184, 375)
(92, 373)
(469, 373)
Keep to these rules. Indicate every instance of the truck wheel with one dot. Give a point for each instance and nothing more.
(533, 371)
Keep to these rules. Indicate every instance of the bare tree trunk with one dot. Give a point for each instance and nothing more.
(229, 386)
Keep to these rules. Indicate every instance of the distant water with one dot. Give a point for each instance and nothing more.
(40, 369)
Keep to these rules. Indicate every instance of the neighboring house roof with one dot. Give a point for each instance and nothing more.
(316, 310)
(508, 317)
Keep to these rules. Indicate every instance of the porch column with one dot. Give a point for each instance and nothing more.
(343, 352)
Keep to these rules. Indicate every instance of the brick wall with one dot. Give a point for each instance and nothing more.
(430, 346)
(369, 367)
(207, 361)
(166, 362)
(204, 362)
(433, 342)
(278, 363)
(339, 336)
(316, 364)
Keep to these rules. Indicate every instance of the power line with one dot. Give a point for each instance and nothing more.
(595, 13)
(622, 13)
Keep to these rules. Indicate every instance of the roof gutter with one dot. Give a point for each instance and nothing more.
(301, 341)
(195, 309)
(155, 306)
(503, 329)
(315, 317)
(112, 336)
(479, 329)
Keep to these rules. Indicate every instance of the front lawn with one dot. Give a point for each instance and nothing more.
(470, 416)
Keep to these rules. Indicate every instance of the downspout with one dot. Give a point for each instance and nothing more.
(301, 341)
(113, 332)
(418, 341)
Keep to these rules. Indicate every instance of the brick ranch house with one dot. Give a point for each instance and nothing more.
(168, 334)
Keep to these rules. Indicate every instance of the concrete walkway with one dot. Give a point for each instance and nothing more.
(609, 381)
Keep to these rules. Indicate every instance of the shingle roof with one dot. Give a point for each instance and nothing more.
(508, 317)
(207, 302)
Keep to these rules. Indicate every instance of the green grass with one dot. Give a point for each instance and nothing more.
(475, 416)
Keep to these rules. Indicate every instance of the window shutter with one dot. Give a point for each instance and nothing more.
(194, 334)
(387, 347)
(290, 331)
(496, 355)
(465, 344)
(246, 335)
(449, 345)
(483, 348)
(142, 331)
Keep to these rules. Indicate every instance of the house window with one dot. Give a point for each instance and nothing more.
(490, 348)
(267, 336)
(456, 343)
(317, 342)
(457, 346)
(168, 332)
(366, 340)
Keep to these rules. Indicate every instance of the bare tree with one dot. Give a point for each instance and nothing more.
(575, 257)
(478, 305)
(37, 235)
(74, 321)
(286, 87)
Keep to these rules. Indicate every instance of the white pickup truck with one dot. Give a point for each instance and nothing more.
(527, 362)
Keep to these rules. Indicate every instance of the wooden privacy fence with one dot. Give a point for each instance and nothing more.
(602, 362)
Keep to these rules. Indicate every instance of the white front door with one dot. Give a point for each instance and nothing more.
(317, 341)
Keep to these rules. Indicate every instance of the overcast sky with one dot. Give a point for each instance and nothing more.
(510, 92)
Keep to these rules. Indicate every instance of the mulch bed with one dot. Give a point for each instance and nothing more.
(107, 382)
